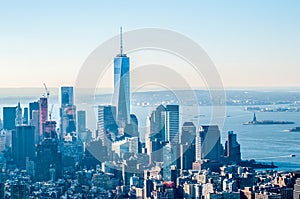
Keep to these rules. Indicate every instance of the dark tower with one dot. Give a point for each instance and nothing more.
(232, 147)
(187, 145)
(9, 118)
(48, 157)
(23, 144)
(211, 147)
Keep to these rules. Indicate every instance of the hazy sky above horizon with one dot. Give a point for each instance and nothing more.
(252, 43)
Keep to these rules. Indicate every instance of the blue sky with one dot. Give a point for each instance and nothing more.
(253, 43)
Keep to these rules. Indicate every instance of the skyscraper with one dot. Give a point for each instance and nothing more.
(210, 142)
(45, 161)
(157, 134)
(67, 112)
(187, 145)
(106, 120)
(122, 86)
(232, 148)
(164, 128)
(35, 122)
(25, 116)
(157, 123)
(9, 117)
(43, 114)
(50, 129)
(67, 97)
(19, 116)
(23, 144)
(81, 121)
(168, 160)
(33, 106)
(171, 118)
(172, 123)
(68, 120)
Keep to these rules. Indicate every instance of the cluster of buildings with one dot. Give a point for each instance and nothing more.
(35, 143)
(177, 160)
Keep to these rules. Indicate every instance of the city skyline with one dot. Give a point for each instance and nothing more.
(149, 113)
(258, 38)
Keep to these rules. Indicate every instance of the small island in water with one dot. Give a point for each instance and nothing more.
(265, 122)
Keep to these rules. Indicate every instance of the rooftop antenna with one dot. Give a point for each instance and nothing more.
(121, 42)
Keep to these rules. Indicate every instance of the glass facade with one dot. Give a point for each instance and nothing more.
(122, 89)
(67, 95)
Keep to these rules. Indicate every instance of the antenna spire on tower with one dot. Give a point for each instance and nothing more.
(121, 42)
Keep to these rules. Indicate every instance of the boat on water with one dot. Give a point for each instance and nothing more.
(295, 129)
(265, 122)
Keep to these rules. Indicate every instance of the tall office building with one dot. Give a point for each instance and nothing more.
(9, 118)
(50, 129)
(122, 86)
(172, 132)
(43, 107)
(106, 120)
(19, 116)
(147, 148)
(172, 123)
(67, 112)
(25, 116)
(198, 146)
(210, 142)
(33, 106)
(187, 145)
(157, 123)
(35, 121)
(232, 148)
(168, 161)
(67, 96)
(156, 134)
(164, 128)
(23, 144)
(68, 120)
(48, 157)
(81, 121)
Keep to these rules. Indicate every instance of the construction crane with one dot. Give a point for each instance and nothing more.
(50, 113)
(47, 91)
(47, 94)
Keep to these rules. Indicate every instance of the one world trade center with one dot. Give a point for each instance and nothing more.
(122, 86)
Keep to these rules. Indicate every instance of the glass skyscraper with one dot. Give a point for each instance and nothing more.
(9, 118)
(67, 112)
(106, 120)
(67, 97)
(122, 87)
(209, 144)
(81, 121)
(172, 123)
